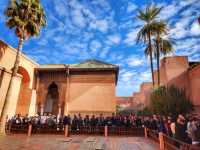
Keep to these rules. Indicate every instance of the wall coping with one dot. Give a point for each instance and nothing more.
(23, 55)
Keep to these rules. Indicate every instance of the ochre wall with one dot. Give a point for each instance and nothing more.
(174, 66)
(194, 78)
(4, 80)
(146, 88)
(24, 100)
(92, 93)
(26, 70)
(175, 71)
(181, 81)
(171, 67)
(95, 93)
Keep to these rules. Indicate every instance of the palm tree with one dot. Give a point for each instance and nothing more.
(160, 28)
(145, 34)
(165, 47)
(162, 47)
(26, 17)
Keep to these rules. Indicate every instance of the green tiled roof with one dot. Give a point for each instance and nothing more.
(92, 63)
(88, 64)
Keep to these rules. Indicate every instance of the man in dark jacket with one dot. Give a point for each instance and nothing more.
(67, 120)
(180, 129)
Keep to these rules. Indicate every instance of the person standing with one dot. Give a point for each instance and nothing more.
(192, 129)
(180, 129)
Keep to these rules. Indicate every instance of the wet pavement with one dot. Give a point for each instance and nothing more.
(58, 142)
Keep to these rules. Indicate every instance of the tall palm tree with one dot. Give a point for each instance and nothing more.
(162, 47)
(148, 16)
(160, 29)
(165, 47)
(26, 17)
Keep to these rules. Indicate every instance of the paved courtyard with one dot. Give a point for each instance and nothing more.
(57, 142)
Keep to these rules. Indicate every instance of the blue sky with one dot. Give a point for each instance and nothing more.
(106, 30)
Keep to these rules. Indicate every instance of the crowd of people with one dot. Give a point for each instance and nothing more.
(186, 129)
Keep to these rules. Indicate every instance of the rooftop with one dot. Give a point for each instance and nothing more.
(88, 64)
(93, 63)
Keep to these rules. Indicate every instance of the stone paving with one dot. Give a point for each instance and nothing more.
(57, 142)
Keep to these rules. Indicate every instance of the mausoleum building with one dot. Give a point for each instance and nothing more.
(87, 87)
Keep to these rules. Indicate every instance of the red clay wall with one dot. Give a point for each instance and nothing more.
(92, 93)
(181, 81)
(194, 78)
(24, 100)
(175, 71)
(124, 101)
(174, 66)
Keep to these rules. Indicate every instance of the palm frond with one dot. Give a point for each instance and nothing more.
(166, 46)
(26, 17)
(149, 14)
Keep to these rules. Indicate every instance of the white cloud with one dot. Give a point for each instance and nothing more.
(59, 39)
(95, 45)
(169, 11)
(127, 76)
(89, 14)
(195, 28)
(131, 37)
(101, 25)
(42, 42)
(104, 52)
(178, 32)
(77, 18)
(189, 47)
(195, 57)
(145, 76)
(114, 39)
(134, 61)
(60, 8)
(131, 7)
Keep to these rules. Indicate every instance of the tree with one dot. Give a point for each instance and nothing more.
(144, 112)
(160, 28)
(145, 34)
(162, 46)
(26, 18)
(170, 100)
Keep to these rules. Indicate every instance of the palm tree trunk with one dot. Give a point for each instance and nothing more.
(151, 58)
(158, 60)
(17, 60)
(10, 86)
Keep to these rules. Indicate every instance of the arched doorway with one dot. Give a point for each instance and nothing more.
(51, 102)
(24, 99)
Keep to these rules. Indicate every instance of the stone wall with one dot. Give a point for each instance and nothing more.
(194, 78)
(176, 71)
(92, 93)
(8, 59)
(22, 93)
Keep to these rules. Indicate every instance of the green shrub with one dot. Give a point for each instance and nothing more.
(144, 112)
(170, 100)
